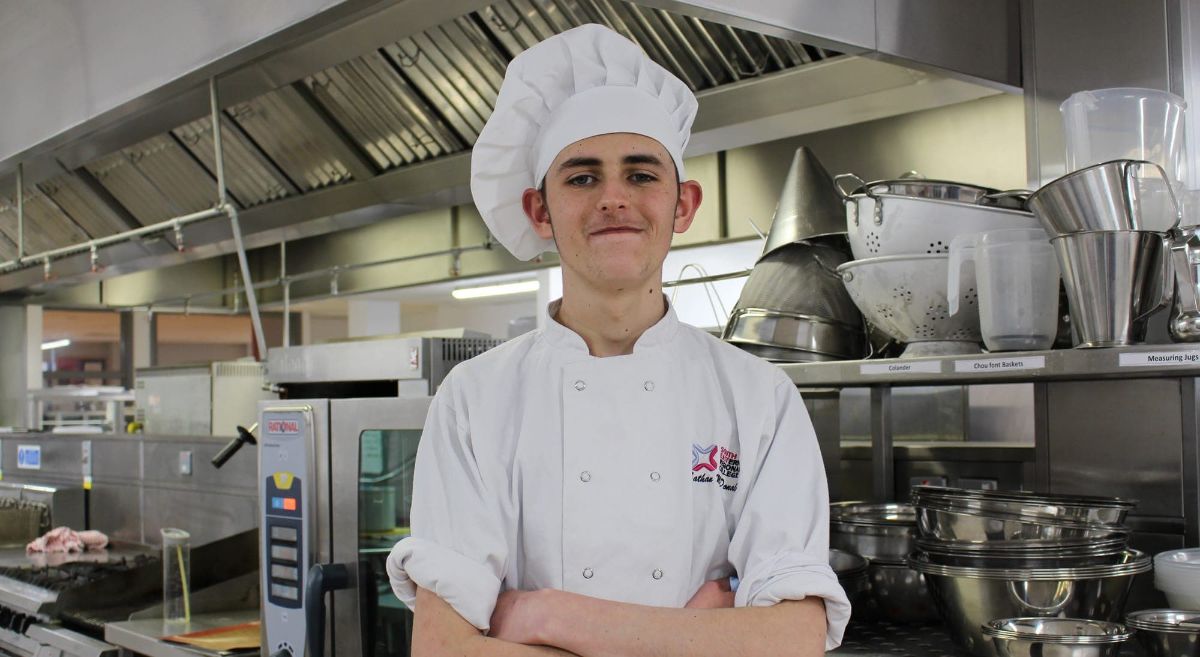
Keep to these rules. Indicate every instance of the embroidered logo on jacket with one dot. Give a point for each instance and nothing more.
(722, 463)
(704, 458)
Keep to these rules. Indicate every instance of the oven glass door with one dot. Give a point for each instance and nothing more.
(385, 483)
(373, 452)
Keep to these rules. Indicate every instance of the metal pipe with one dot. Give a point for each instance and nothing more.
(251, 297)
(286, 281)
(232, 213)
(20, 211)
(84, 247)
(324, 273)
(222, 196)
(708, 279)
(287, 295)
(287, 314)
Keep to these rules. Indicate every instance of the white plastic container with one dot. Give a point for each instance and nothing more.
(1177, 574)
(1017, 278)
(1125, 123)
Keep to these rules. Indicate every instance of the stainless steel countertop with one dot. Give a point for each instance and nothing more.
(145, 636)
(18, 558)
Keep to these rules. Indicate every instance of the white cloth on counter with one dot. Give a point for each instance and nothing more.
(633, 478)
(584, 82)
(65, 539)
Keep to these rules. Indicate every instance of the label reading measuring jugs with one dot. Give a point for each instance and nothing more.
(1161, 359)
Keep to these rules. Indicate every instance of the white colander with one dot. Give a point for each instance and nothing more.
(885, 225)
(905, 297)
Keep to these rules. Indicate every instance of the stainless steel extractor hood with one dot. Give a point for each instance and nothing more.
(313, 145)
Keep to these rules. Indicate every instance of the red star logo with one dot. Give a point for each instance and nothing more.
(699, 454)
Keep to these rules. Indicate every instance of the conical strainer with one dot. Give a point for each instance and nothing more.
(794, 299)
(809, 205)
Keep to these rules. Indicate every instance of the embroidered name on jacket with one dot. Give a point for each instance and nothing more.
(716, 464)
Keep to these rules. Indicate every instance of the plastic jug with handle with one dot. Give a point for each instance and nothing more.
(1016, 273)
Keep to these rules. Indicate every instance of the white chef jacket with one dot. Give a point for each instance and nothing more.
(633, 478)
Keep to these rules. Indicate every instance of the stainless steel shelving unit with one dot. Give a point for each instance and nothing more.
(1173, 360)
(1122, 418)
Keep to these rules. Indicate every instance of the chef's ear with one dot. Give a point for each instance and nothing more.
(690, 195)
(533, 201)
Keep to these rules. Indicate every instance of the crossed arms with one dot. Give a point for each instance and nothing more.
(551, 623)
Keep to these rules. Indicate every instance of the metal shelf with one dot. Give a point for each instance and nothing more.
(1141, 361)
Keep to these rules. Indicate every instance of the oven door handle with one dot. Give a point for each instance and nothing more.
(322, 578)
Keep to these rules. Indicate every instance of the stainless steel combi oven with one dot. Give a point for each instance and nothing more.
(335, 475)
(335, 484)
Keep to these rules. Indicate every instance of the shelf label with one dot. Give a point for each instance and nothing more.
(29, 457)
(900, 367)
(1000, 364)
(1161, 359)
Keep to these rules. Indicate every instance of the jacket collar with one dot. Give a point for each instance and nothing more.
(661, 333)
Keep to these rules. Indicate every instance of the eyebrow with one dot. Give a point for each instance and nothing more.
(636, 158)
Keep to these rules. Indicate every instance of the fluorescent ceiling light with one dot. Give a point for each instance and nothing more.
(55, 344)
(495, 290)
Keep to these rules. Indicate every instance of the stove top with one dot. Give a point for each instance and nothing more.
(72, 575)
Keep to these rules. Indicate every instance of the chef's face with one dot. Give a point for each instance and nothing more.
(611, 204)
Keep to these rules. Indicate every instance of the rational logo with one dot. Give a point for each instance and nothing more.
(284, 427)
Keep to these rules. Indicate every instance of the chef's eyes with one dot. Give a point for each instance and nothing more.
(586, 179)
(582, 180)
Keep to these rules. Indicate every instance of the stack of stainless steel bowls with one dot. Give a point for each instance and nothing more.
(851, 570)
(1060, 637)
(1167, 632)
(885, 535)
(989, 555)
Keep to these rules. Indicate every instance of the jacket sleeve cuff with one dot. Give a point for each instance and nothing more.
(796, 581)
(468, 586)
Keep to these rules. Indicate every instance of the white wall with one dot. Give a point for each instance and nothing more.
(20, 361)
(316, 329)
(488, 317)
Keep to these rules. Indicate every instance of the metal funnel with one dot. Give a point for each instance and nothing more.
(809, 205)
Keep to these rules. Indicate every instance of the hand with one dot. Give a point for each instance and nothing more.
(712, 595)
(519, 617)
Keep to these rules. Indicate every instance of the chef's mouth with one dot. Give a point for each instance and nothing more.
(617, 230)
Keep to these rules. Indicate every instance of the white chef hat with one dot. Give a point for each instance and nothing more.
(584, 82)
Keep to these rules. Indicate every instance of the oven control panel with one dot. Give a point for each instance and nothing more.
(286, 448)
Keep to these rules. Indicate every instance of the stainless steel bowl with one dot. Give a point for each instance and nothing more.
(1167, 632)
(949, 523)
(875, 531)
(851, 570)
(896, 593)
(1044, 554)
(967, 598)
(1036, 507)
(1056, 637)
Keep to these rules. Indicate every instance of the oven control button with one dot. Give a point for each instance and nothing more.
(290, 573)
(283, 534)
(283, 553)
(285, 592)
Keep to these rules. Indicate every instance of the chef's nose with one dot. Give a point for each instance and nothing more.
(613, 198)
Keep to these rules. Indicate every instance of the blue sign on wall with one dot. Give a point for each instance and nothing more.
(29, 457)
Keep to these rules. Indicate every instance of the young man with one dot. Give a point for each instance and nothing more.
(589, 488)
